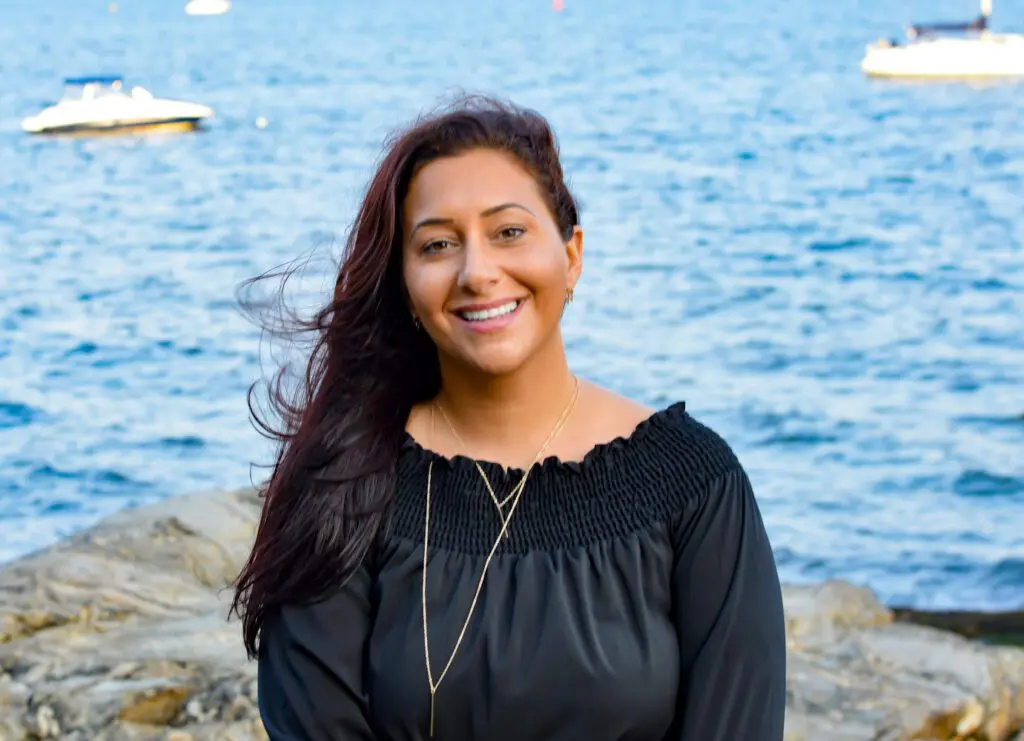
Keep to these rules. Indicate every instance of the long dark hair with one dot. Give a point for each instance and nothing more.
(339, 435)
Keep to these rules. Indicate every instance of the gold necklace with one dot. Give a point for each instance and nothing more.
(517, 493)
(500, 503)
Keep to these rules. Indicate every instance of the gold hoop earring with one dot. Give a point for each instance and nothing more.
(568, 295)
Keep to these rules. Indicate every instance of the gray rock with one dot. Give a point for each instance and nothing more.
(121, 633)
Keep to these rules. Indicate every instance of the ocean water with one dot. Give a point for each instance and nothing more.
(829, 269)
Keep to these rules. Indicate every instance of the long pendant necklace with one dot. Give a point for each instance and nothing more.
(515, 497)
(500, 503)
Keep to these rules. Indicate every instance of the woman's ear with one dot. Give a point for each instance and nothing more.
(574, 254)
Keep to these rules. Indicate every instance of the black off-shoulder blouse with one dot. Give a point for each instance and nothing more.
(635, 597)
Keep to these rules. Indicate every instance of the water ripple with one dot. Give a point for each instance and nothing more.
(828, 268)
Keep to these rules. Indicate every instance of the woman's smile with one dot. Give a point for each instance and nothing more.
(491, 316)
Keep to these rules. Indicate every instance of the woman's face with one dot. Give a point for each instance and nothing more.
(485, 267)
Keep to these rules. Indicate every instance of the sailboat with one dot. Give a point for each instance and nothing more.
(949, 50)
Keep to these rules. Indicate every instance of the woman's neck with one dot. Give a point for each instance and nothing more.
(506, 415)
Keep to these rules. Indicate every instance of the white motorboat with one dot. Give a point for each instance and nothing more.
(208, 7)
(949, 50)
(103, 104)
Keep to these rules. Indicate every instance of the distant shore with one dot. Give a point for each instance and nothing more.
(119, 632)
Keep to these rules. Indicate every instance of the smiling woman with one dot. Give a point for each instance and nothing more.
(463, 539)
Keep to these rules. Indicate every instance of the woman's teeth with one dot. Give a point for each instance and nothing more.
(492, 313)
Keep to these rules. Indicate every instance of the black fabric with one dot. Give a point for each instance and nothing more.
(635, 597)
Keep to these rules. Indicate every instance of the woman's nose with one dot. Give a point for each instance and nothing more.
(479, 268)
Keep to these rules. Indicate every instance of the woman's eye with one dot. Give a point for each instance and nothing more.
(436, 245)
(511, 233)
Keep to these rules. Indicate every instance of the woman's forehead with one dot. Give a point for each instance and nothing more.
(470, 182)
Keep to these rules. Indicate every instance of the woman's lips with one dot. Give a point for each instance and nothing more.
(489, 317)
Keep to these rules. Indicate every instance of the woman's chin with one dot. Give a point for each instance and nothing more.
(493, 361)
(496, 367)
(497, 354)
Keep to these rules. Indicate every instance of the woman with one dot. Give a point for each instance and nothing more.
(463, 540)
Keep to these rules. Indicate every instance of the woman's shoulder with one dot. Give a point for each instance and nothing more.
(658, 459)
(666, 436)
(691, 446)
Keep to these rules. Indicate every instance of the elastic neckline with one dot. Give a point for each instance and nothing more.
(619, 487)
(599, 454)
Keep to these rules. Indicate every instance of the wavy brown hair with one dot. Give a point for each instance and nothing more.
(339, 434)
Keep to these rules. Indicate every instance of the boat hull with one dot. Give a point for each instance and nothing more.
(120, 127)
(989, 57)
(116, 114)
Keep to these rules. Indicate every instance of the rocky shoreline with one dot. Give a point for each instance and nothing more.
(120, 633)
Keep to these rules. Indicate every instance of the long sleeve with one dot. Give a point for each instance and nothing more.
(311, 680)
(729, 618)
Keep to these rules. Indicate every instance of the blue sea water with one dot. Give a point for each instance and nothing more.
(829, 269)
